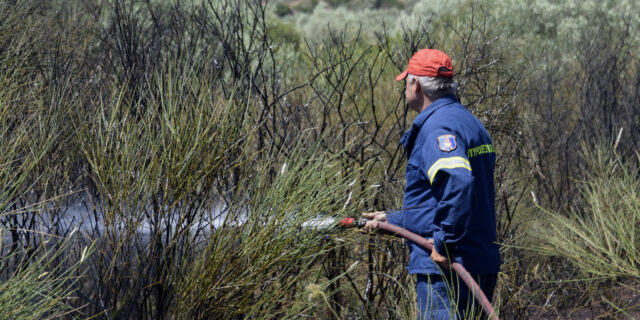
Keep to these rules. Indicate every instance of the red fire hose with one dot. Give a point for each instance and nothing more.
(421, 241)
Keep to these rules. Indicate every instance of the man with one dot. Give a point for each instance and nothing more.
(449, 196)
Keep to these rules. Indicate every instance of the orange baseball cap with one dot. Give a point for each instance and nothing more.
(428, 63)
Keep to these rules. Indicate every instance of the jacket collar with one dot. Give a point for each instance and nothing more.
(428, 111)
(424, 115)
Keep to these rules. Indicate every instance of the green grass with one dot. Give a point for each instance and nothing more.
(600, 236)
(43, 283)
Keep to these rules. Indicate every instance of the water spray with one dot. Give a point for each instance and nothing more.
(328, 222)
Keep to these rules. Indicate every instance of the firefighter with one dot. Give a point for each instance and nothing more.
(449, 195)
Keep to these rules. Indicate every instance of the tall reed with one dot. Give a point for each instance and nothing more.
(600, 236)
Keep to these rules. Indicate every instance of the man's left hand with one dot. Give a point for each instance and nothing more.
(441, 260)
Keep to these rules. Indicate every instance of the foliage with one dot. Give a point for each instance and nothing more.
(40, 287)
(37, 273)
(386, 4)
(599, 236)
(188, 142)
(266, 257)
(282, 33)
(282, 9)
(306, 6)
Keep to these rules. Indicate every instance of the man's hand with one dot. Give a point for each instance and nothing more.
(374, 217)
(441, 260)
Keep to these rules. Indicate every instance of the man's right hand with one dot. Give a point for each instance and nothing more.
(374, 218)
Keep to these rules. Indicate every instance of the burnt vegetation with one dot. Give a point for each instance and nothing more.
(159, 158)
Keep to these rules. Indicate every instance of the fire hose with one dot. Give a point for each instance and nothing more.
(421, 241)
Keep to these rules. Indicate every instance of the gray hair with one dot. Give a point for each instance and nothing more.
(435, 87)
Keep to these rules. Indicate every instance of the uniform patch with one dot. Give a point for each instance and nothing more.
(447, 142)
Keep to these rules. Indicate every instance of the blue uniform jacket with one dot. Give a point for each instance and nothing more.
(450, 194)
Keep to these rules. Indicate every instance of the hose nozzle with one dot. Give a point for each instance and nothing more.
(352, 222)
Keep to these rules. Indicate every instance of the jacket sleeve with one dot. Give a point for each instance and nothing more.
(413, 220)
(451, 179)
(415, 215)
(395, 217)
(454, 192)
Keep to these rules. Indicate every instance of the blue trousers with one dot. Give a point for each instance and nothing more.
(446, 296)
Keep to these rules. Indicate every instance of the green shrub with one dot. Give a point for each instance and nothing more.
(281, 32)
(307, 6)
(336, 3)
(282, 10)
(255, 268)
(43, 284)
(600, 236)
(386, 4)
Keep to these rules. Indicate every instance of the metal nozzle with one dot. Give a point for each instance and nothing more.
(353, 222)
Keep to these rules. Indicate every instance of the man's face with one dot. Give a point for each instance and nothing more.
(411, 93)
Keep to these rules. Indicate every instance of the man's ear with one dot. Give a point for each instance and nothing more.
(417, 89)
